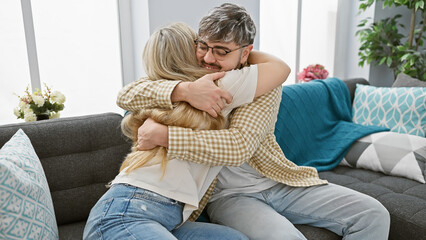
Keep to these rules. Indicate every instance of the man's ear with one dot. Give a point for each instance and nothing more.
(246, 53)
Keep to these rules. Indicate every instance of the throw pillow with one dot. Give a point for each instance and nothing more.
(403, 80)
(401, 109)
(26, 207)
(391, 153)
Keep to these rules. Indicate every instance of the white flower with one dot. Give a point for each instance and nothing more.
(29, 116)
(38, 100)
(16, 112)
(54, 115)
(28, 111)
(23, 105)
(57, 97)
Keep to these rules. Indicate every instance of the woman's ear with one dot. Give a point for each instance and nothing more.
(246, 53)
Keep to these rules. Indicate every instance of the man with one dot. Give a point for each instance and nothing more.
(266, 194)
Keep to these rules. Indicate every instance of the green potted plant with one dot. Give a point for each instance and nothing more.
(382, 43)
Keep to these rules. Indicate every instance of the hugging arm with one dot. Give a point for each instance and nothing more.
(233, 146)
(248, 127)
(272, 71)
(145, 93)
(202, 94)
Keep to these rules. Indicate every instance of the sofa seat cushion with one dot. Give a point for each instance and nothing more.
(71, 231)
(405, 199)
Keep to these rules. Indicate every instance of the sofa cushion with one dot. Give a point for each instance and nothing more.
(26, 207)
(403, 80)
(72, 231)
(402, 110)
(404, 199)
(391, 153)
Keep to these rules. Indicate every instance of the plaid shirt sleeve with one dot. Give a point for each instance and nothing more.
(146, 93)
(249, 126)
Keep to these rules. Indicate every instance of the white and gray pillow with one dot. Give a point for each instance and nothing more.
(391, 153)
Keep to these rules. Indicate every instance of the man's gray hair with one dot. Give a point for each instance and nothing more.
(228, 23)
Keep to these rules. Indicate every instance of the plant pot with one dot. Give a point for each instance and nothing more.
(42, 117)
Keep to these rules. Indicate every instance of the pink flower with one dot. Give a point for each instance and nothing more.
(312, 72)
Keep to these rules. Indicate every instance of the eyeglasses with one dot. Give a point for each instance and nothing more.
(218, 52)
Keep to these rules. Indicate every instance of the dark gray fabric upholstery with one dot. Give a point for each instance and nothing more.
(351, 84)
(72, 231)
(405, 199)
(313, 233)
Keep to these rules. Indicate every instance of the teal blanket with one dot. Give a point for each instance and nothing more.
(314, 126)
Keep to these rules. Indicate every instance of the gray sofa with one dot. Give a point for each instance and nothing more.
(80, 155)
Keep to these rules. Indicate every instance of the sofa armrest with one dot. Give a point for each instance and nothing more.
(351, 84)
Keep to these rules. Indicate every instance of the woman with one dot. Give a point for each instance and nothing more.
(153, 196)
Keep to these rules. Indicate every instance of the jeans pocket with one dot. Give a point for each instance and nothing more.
(106, 204)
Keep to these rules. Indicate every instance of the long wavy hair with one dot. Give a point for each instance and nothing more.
(168, 54)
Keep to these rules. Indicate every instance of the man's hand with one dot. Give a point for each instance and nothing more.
(152, 134)
(203, 94)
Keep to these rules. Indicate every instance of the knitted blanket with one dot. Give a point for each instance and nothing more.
(314, 126)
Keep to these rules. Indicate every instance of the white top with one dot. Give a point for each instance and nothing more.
(185, 181)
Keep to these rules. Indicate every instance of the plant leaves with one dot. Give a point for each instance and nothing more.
(389, 61)
(403, 58)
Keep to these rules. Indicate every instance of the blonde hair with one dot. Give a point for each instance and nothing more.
(168, 54)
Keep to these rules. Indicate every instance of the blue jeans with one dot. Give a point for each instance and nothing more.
(127, 212)
(270, 214)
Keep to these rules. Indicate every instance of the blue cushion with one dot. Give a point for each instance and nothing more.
(402, 110)
(26, 207)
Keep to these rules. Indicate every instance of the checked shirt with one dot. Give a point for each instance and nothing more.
(249, 138)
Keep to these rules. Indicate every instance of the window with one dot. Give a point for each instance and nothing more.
(279, 29)
(78, 48)
(79, 52)
(318, 33)
(14, 71)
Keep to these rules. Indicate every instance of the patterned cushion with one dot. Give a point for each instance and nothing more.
(402, 109)
(26, 208)
(391, 153)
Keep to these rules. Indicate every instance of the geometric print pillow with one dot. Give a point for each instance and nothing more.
(391, 153)
(26, 207)
(402, 110)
